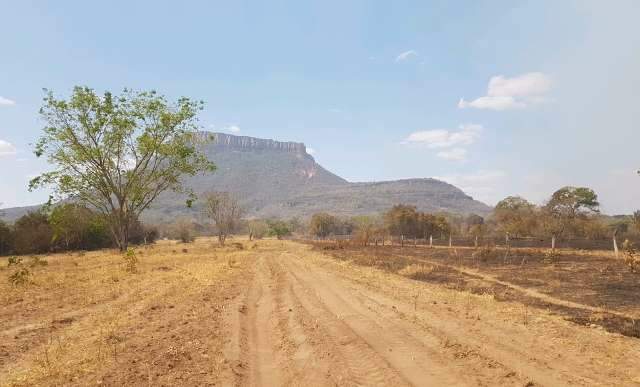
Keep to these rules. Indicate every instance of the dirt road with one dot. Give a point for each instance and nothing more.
(279, 313)
(305, 320)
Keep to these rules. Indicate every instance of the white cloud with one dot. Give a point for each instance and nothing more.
(7, 149)
(455, 154)
(6, 101)
(311, 151)
(512, 93)
(445, 138)
(403, 56)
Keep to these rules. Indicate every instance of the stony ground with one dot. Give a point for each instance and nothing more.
(281, 313)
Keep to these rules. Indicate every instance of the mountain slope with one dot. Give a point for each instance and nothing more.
(280, 179)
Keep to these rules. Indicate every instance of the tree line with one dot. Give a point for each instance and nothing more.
(65, 227)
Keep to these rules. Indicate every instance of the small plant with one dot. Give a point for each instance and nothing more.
(20, 277)
(631, 256)
(550, 256)
(131, 261)
(37, 261)
(14, 261)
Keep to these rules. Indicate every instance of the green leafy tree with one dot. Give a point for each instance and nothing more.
(567, 207)
(70, 225)
(278, 228)
(117, 153)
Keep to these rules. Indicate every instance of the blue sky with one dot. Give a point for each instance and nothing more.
(497, 97)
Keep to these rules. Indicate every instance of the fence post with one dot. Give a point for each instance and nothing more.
(615, 245)
(415, 242)
(401, 240)
(553, 243)
(476, 242)
(430, 240)
(450, 244)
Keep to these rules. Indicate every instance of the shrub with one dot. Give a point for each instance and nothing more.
(33, 234)
(131, 261)
(14, 261)
(6, 239)
(20, 277)
(37, 261)
(631, 256)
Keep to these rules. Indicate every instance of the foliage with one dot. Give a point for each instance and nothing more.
(322, 225)
(183, 230)
(21, 276)
(33, 233)
(278, 228)
(631, 256)
(225, 211)
(14, 261)
(257, 229)
(6, 239)
(118, 153)
(130, 261)
(403, 220)
(516, 216)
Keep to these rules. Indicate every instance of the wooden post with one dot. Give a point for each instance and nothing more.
(450, 244)
(430, 240)
(401, 240)
(553, 243)
(476, 242)
(615, 245)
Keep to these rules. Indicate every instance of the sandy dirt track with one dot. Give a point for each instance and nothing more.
(306, 320)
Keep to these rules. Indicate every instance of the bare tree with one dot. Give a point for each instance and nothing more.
(225, 212)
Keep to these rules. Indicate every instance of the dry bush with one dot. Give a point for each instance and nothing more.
(631, 256)
(14, 261)
(37, 261)
(21, 276)
(130, 261)
(417, 271)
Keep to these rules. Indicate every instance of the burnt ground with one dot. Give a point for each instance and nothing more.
(589, 278)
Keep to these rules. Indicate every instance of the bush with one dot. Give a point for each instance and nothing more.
(14, 261)
(33, 234)
(631, 256)
(6, 239)
(20, 277)
(131, 261)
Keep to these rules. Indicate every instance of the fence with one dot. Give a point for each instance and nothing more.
(528, 242)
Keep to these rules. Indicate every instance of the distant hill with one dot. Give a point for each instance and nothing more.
(280, 179)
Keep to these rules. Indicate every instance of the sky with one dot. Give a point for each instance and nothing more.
(496, 97)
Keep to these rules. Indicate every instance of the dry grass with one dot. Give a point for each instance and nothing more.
(99, 317)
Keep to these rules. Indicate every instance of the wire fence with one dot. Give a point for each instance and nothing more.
(527, 242)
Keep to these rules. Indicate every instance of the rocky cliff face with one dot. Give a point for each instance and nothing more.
(228, 141)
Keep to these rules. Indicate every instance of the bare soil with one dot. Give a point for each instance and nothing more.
(283, 313)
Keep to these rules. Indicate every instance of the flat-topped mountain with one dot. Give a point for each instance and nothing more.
(280, 179)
